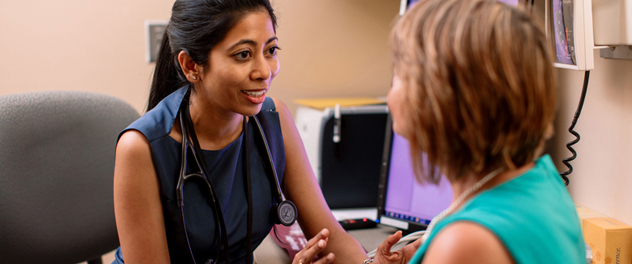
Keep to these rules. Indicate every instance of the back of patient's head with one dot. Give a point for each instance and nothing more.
(479, 84)
(195, 27)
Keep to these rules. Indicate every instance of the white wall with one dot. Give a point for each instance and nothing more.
(601, 179)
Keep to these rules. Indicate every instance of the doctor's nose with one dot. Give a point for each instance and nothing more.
(261, 70)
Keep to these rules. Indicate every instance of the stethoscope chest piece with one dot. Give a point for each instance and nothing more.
(284, 213)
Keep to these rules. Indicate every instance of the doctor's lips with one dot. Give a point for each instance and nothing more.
(255, 96)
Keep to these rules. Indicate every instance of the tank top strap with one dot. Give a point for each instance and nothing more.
(158, 121)
(271, 124)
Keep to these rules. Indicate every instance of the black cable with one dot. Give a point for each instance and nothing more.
(569, 145)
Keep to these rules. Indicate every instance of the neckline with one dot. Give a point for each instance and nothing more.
(540, 164)
(231, 144)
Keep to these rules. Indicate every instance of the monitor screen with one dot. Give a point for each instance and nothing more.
(405, 203)
(405, 4)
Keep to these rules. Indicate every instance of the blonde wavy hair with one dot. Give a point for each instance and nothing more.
(479, 84)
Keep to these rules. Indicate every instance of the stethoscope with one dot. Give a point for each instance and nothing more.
(282, 212)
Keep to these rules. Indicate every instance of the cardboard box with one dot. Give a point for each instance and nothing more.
(609, 239)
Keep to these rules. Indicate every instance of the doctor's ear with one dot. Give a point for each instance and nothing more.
(191, 70)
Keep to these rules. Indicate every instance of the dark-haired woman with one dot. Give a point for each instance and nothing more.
(215, 66)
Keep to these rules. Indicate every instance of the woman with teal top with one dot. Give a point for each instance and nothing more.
(475, 89)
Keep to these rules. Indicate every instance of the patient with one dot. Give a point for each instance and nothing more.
(474, 89)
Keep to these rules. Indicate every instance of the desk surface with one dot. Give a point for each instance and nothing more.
(269, 252)
(371, 238)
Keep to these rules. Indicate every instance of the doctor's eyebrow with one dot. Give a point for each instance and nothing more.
(251, 42)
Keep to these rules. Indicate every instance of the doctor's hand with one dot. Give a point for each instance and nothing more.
(383, 253)
(312, 248)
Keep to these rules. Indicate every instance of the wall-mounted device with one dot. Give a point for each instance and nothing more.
(569, 25)
(612, 21)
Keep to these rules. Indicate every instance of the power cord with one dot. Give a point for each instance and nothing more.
(402, 242)
(569, 145)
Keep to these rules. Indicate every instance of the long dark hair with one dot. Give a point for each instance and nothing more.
(196, 26)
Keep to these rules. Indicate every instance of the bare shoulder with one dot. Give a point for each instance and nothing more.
(467, 242)
(133, 157)
(132, 142)
(281, 108)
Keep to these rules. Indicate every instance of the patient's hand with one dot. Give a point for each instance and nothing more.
(384, 254)
(312, 248)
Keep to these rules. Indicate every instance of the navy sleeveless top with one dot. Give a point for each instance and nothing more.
(226, 173)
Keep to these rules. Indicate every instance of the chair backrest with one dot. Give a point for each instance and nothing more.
(56, 172)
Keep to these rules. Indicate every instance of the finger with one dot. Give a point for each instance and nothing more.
(323, 234)
(310, 253)
(416, 244)
(384, 249)
(326, 259)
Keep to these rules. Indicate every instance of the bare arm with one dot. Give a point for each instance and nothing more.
(303, 190)
(467, 242)
(137, 207)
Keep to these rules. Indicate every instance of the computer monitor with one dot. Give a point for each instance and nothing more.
(403, 202)
(404, 5)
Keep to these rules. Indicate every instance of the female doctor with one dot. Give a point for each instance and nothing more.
(216, 64)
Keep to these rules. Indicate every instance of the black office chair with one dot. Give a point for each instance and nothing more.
(56, 171)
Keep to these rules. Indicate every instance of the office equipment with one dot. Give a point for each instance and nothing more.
(348, 171)
(359, 223)
(404, 5)
(56, 169)
(403, 202)
(612, 21)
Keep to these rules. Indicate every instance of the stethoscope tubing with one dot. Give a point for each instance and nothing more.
(201, 176)
(185, 125)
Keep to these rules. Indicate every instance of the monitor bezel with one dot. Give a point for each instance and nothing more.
(383, 187)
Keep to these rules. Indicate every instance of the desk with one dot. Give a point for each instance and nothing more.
(270, 253)
(371, 238)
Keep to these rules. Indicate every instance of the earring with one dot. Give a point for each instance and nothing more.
(194, 77)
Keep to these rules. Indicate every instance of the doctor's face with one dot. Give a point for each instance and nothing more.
(242, 65)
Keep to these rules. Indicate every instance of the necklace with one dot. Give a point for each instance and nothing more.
(458, 202)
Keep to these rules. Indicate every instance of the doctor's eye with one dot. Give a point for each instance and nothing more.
(273, 50)
(244, 55)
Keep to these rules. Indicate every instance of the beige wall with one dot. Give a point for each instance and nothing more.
(330, 47)
(601, 179)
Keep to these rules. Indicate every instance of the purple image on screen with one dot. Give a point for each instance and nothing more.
(407, 196)
(509, 2)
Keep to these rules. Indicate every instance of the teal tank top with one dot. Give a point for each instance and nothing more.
(533, 215)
